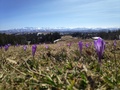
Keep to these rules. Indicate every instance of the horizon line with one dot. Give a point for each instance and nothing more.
(60, 28)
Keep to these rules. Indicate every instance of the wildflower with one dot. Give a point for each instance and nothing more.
(115, 43)
(34, 47)
(6, 47)
(9, 45)
(99, 46)
(24, 47)
(46, 47)
(87, 45)
(80, 44)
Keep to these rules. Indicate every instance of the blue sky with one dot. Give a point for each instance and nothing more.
(59, 13)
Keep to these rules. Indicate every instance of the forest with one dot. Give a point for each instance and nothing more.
(50, 37)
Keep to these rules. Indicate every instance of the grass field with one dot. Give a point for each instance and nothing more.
(60, 67)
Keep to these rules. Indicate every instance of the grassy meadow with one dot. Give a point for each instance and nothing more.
(60, 67)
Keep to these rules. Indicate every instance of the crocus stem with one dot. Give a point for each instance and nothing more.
(100, 62)
(33, 58)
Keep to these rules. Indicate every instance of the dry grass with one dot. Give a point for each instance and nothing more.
(59, 68)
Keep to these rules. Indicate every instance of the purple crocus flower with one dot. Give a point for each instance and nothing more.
(80, 44)
(46, 46)
(99, 46)
(34, 47)
(87, 45)
(115, 43)
(6, 47)
(9, 45)
(24, 47)
(69, 44)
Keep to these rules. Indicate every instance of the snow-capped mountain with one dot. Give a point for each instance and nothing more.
(57, 29)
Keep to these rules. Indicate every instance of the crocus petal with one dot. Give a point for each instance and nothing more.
(34, 49)
(99, 46)
(6, 47)
(115, 43)
(24, 47)
(46, 47)
(87, 45)
(80, 44)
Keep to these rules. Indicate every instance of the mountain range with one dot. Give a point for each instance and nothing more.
(27, 30)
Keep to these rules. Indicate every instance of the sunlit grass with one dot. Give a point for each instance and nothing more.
(59, 67)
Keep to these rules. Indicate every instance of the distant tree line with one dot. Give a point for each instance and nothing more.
(110, 35)
(11, 39)
(24, 38)
(50, 37)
